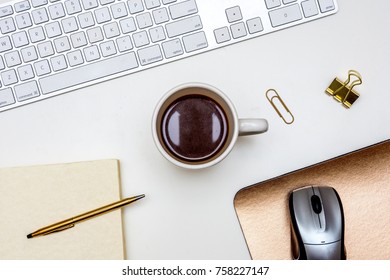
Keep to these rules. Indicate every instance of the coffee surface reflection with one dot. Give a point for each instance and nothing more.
(194, 128)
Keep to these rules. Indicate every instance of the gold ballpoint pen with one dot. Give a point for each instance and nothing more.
(69, 223)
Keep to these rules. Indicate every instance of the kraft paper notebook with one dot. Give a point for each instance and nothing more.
(361, 178)
(37, 196)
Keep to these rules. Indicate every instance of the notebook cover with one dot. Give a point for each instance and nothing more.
(361, 178)
(37, 196)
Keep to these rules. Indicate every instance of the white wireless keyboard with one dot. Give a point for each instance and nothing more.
(49, 47)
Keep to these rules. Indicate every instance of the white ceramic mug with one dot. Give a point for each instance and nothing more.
(195, 126)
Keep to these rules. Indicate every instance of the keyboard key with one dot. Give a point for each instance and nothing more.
(45, 49)
(144, 20)
(58, 63)
(89, 4)
(111, 30)
(222, 35)
(62, 44)
(254, 25)
(195, 42)
(88, 72)
(183, 9)
(78, 39)
(108, 48)
(12, 58)
(9, 77)
(56, 11)
(29, 54)
(309, 8)
(22, 6)
(105, 2)
(86, 20)
(6, 97)
(160, 15)
(233, 14)
(326, 5)
(141, 39)
(75, 58)
(150, 55)
(36, 34)
(40, 16)
(7, 25)
(42, 67)
(119, 10)
(157, 34)
(102, 15)
(95, 34)
(172, 48)
(19, 39)
(23, 20)
(151, 4)
(53, 29)
(127, 25)
(6, 11)
(25, 72)
(26, 91)
(272, 3)
(183, 26)
(38, 3)
(238, 30)
(72, 6)
(135, 6)
(5, 44)
(285, 15)
(124, 43)
(91, 53)
(69, 24)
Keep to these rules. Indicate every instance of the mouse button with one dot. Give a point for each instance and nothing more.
(301, 206)
(332, 214)
(302, 215)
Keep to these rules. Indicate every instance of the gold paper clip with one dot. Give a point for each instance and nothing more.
(343, 92)
(272, 94)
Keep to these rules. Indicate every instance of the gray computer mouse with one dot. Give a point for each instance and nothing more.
(317, 224)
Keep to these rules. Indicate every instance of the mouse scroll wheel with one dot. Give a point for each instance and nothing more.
(316, 204)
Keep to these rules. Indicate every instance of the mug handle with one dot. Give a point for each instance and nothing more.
(252, 126)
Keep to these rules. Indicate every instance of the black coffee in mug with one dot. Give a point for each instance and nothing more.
(194, 128)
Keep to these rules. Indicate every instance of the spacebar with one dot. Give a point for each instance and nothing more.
(88, 73)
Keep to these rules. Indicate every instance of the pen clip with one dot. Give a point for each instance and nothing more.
(65, 227)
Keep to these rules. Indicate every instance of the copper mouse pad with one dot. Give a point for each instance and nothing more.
(361, 178)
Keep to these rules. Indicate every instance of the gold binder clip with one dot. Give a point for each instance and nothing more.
(343, 92)
(272, 94)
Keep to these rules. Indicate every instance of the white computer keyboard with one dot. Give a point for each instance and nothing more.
(49, 47)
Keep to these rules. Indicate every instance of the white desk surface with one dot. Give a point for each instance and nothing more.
(190, 214)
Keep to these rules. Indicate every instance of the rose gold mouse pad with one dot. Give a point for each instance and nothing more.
(361, 178)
